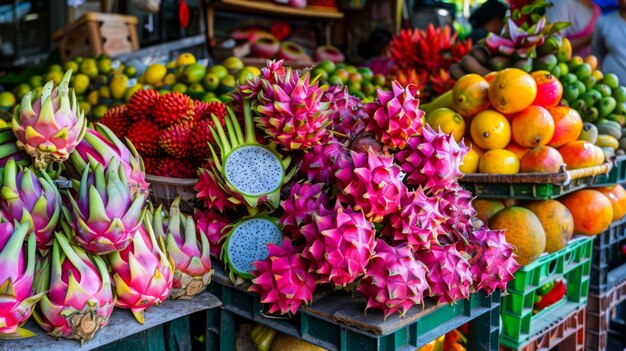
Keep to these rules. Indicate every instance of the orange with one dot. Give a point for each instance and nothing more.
(523, 230)
(617, 196)
(592, 211)
(486, 208)
(567, 125)
(448, 121)
(499, 161)
(517, 150)
(532, 127)
(592, 61)
(512, 90)
(490, 130)
(580, 154)
(470, 95)
(470, 162)
(556, 221)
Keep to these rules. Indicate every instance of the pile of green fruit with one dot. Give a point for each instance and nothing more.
(361, 82)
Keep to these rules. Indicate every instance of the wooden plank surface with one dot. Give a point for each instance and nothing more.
(348, 309)
(121, 325)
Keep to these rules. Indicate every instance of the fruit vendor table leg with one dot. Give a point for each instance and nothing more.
(156, 334)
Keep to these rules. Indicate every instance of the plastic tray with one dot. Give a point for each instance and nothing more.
(566, 334)
(336, 321)
(599, 311)
(609, 265)
(532, 186)
(519, 325)
(617, 173)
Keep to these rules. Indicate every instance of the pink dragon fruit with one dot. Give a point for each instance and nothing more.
(28, 199)
(492, 259)
(341, 244)
(320, 163)
(416, 223)
(101, 145)
(210, 192)
(517, 40)
(395, 116)
(17, 269)
(432, 159)
(271, 74)
(290, 110)
(347, 114)
(50, 128)
(80, 300)
(304, 200)
(211, 224)
(449, 275)
(105, 215)
(142, 273)
(190, 252)
(283, 279)
(9, 150)
(395, 281)
(371, 183)
(455, 204)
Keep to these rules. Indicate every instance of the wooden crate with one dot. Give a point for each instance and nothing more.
(96, 33)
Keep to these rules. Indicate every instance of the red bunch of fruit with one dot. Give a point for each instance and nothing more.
(422, 57)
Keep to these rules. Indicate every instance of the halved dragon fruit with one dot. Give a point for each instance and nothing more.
(251, 172)
(247, 242)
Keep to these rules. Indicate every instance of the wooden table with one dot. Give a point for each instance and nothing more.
(121, 325)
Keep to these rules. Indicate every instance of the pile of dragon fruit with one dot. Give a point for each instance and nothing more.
(77, 237)
(307, 187)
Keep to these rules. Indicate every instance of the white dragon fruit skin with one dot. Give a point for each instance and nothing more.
(371, 184)
(449, 275)
(283, 280)
(320, 163)
(143, 272)
(189, 251)
(395, 281)
(416, 223)
(431, 159)
(341, 244)
(304, 200)
(395, 116)
(17, 271)
(80, 299)
(493, 262)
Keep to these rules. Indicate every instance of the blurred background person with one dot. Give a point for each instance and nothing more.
(489, 17)
(582, 15)
(609, 42)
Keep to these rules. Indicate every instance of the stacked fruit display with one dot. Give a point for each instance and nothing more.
(515, 123)
(273, 45)
(171, 131)
(325, 191)
(70, 253)
(102, 83)
(361, 82)
(423, 58)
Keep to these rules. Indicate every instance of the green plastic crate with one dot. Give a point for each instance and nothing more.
(573, 262)
(616, 175)
(525, 191)
(336, 320)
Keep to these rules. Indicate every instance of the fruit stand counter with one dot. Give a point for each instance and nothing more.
(166, 327)
(336, 320)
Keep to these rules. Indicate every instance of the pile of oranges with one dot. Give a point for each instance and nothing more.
(516, 124)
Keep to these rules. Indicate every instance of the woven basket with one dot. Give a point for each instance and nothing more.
(163, 191)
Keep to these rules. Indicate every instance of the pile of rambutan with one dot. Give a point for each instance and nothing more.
(170, 131)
